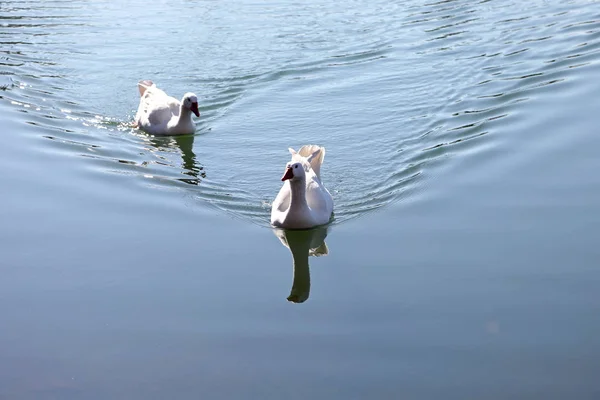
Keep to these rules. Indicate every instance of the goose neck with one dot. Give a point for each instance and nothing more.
(298, 194)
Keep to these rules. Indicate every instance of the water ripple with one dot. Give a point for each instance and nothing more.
(416, 84)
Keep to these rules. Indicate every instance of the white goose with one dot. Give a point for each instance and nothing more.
(303, 202)
(160, 114)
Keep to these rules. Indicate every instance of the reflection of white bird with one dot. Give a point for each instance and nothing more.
(303, 201)
(160, 114)
(302, 244)
(310, 242)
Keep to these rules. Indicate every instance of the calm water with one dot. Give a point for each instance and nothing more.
(462, 153)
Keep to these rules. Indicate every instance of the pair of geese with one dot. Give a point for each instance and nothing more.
(303, 201)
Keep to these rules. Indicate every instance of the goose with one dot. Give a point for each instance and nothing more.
(160, 114)
(303, 201)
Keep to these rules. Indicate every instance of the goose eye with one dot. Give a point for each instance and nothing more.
(295, 166)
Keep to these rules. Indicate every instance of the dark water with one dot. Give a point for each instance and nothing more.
(462, 142)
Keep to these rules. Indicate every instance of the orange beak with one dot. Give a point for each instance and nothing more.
(194, 109)
(289, 174)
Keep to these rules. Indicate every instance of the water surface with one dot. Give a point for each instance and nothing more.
(461, 146)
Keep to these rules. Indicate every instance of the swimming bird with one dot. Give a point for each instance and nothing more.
(303, 201)
(160, 114)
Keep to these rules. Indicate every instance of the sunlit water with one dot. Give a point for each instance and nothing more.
(143, 267)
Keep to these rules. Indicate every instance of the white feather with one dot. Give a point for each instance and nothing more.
(161, 114)
(303, 201)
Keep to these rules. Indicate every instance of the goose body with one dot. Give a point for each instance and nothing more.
(303, 201)
(161, 114)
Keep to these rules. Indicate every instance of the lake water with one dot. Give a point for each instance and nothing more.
(462, 153)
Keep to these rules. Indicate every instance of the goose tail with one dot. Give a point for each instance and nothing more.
(144, 85)
(315, 163)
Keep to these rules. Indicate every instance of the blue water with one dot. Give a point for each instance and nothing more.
(461, 146)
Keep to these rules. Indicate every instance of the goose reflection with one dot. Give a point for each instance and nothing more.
(302, 244)
(185, 143)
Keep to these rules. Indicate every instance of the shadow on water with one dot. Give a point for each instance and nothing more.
(302, 245)
(189, 163)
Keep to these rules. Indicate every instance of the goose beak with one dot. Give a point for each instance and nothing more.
(194, 109)
(289, 174)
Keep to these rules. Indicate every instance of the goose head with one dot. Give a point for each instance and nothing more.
(190, 101)
(294, 171)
